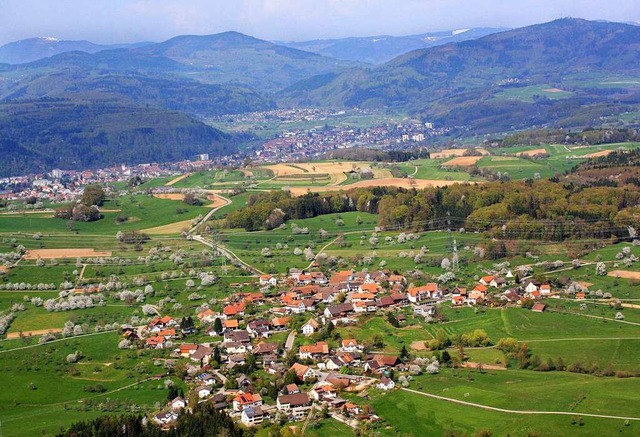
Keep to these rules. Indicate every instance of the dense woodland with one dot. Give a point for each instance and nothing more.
(364, 154)
(561, 136)
(205, 421)
(544, 209)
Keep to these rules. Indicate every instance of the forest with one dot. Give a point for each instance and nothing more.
(541, 210)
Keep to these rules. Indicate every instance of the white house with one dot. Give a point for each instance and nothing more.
(310, 327)
(386, 384)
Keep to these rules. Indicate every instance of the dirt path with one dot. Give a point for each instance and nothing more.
(504, 410)
(176, 180)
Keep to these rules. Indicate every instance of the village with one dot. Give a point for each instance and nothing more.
(319, 372)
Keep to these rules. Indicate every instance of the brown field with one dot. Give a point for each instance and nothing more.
(14, 335)
(472, 365)
(4, 269)
(462, 161)
(176, 180)
(418, 345)
(626, 274)
(171, 228)
(452, 153)
(532, 152)
(395, 182)
(598, 154)
(246, 172)
(64, 253)
(335, 170)
(169, 196)
(216, 200)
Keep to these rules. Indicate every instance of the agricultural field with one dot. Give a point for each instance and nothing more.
(164, 274)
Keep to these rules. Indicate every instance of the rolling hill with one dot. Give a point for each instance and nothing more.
(461, 83)
(382, 48)
(43, 134)
(33, 49)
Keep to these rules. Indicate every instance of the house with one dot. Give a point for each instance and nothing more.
(581, 296)
(303, 372)
(531, 285)
(314, 350)
(291, 389)
(231, 324)
(203, 391)
(202, 355)
(301, 305)
(178, 403)
(280, 323)
(244, 400)
(236, 337)
(419, 294)
(235, 309)
(268, 280)
(188, 349)
(160, 323)
(538, 307)
(207, 316)
(156, 342)
(259, 328)
(486, 280)
(498, 282)
(386, 384)
(424, 310)
(252, 416)
(165, 418)
(296, 405)
(265, 348)
(338, 310)
(545, 289)
(310, 327)
(350, 345)
(333, 363)
(457, 300)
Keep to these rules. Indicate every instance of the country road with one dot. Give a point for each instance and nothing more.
(504, 410)
(290, 339)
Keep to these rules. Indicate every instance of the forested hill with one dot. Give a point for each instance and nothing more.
(498, 82)
(543, 209)
(41, 135)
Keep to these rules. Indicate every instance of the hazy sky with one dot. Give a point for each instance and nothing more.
(111, 21)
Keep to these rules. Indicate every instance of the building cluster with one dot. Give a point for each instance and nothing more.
(308, 307)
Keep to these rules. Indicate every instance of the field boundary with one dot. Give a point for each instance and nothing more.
(504, 410)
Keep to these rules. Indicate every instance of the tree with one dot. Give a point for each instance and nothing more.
(291, 377)
(217, 326)
(93, 195)
(446, 357)
(404, 353)
(391, 318)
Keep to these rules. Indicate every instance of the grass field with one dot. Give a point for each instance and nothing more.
(35, 376)
(412, 414)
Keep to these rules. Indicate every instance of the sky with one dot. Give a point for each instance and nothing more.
(121, 21)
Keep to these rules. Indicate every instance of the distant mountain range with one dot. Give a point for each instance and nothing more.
(382, 48)
(465, 83)
(568, 72)
(32, 49)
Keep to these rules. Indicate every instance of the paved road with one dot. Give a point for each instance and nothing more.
(290, 339)
(503, 410)
(229, 254)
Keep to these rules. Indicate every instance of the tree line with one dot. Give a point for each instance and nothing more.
(538, 210)
(204, 421)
